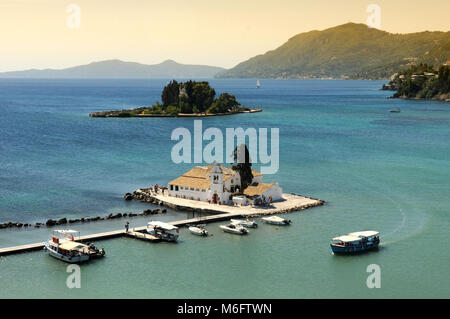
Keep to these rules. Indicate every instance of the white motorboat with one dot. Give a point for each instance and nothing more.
(198, 230)
(63, 246)
(163, 231)
(234, 229)
(245, 222)
(275, 220)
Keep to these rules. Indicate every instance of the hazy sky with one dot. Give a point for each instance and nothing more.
(35, 34)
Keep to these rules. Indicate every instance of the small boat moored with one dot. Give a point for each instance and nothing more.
(395, 110)
(245, 222)
(63, 246)
(275, 220)
(355, 242)
(163, 231)
(198, 230)
(234, 229)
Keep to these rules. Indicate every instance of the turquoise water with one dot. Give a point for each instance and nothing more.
(338, 142)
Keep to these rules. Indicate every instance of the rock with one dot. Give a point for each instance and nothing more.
(37, 225)
(132, 214)
(147, 212)
(50, 222)
(19, 225)
(125, 215)
(118, 215)
(61, 221)
(25, 225)
(109, 216)
(128, 196)
(3, 226)
(82, 220)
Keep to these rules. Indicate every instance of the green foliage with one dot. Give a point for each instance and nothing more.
(349, 50)
(203, 96)
(193, 97)
(422, 81)
(224, 103)
(170, 94)
(172, 110)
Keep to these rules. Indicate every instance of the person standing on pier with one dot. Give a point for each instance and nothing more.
(127, 225)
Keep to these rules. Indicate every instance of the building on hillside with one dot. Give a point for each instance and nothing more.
(218, 184)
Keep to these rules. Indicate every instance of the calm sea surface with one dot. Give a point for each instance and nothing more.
(338, 142)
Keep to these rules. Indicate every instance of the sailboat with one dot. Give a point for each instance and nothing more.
(257, 84)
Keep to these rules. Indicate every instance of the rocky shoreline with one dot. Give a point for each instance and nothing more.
(65, 221)
(132, 113)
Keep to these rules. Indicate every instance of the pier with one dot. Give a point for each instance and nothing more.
(219, 213)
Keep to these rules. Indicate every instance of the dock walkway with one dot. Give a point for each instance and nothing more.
(220, 213)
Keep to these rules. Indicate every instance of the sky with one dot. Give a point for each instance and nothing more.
(46, 33)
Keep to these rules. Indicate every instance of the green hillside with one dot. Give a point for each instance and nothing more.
(349, 50)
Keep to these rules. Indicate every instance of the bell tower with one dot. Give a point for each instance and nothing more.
(216, 178)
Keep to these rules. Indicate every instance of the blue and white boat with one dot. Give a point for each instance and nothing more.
(355, 242)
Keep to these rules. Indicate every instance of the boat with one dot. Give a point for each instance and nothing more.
(356, 242)
(244, 222)
(62, 245)
(163, 231)
(275, 220)
(234, 229)
(198, 230)
(395, 110)
(257, 84)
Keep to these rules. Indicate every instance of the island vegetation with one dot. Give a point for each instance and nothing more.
(190, 98)
(348, 51)
(421, 81)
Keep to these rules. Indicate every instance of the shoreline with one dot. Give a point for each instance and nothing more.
(291, 203)
(117, 113)
(419, 99)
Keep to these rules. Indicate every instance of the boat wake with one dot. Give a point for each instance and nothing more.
(399, 205)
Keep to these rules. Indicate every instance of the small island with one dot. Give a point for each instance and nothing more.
(421, 82)
(185, 99)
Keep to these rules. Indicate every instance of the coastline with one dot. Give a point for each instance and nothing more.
(119, 113)
(291, 203)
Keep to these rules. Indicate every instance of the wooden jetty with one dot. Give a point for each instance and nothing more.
(137, 232)
(220, 213)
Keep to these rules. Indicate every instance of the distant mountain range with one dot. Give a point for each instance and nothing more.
(350, 50)
(121, 69)
(347, 51)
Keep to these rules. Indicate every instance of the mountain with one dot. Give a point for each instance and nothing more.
(349, 50)
(121, 69)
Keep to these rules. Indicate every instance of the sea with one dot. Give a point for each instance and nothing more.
(375, 170)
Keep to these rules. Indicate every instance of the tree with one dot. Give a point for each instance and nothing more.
(170, 94)
(224, 103)
(202, 95)
(243, 165)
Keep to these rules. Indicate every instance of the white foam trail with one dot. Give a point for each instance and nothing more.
(395, 202)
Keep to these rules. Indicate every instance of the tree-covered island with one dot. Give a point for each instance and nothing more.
(189, 98)
(421, 81)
